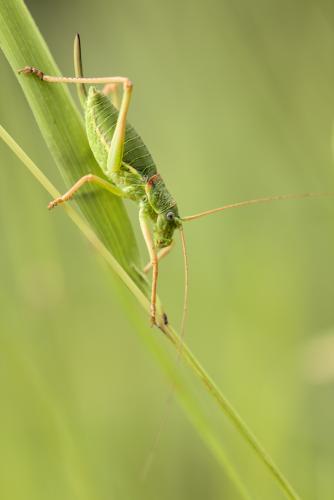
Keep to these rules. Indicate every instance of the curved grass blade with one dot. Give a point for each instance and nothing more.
(188, 403)
(181, 348)
(62, 129)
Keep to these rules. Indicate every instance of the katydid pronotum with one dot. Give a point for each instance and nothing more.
(129, 167)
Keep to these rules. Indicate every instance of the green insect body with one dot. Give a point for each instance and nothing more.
(137, 177)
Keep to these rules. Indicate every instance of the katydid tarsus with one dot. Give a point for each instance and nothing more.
(129, 167)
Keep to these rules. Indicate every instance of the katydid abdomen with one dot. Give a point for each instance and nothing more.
(101, 118)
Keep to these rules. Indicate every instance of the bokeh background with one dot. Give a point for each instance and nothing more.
(235, 99)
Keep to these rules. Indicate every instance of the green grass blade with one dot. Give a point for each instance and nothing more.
(181, 348)
(62, 128)
(189, 405)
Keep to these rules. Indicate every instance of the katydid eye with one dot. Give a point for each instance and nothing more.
(170, 215)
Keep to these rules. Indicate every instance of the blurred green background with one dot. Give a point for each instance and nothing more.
(235, 100)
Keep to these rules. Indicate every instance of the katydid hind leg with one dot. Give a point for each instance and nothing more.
(31, 70)
(90, 178)
(117, 143)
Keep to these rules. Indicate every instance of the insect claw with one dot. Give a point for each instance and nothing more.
(31, 69)
(54, 203)
(26, 69)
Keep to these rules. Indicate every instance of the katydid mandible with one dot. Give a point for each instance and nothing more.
(128, 165)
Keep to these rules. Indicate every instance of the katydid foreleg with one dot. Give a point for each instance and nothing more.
(143, 220)
(165, 251)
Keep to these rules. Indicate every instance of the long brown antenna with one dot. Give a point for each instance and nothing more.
(257, 201)
(186, 288)
(164, 418)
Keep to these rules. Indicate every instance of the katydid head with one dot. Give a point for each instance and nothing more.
(165, 226)
(164, 206)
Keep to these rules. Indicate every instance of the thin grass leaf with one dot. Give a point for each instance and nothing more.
(189, 404)
(182, 348)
